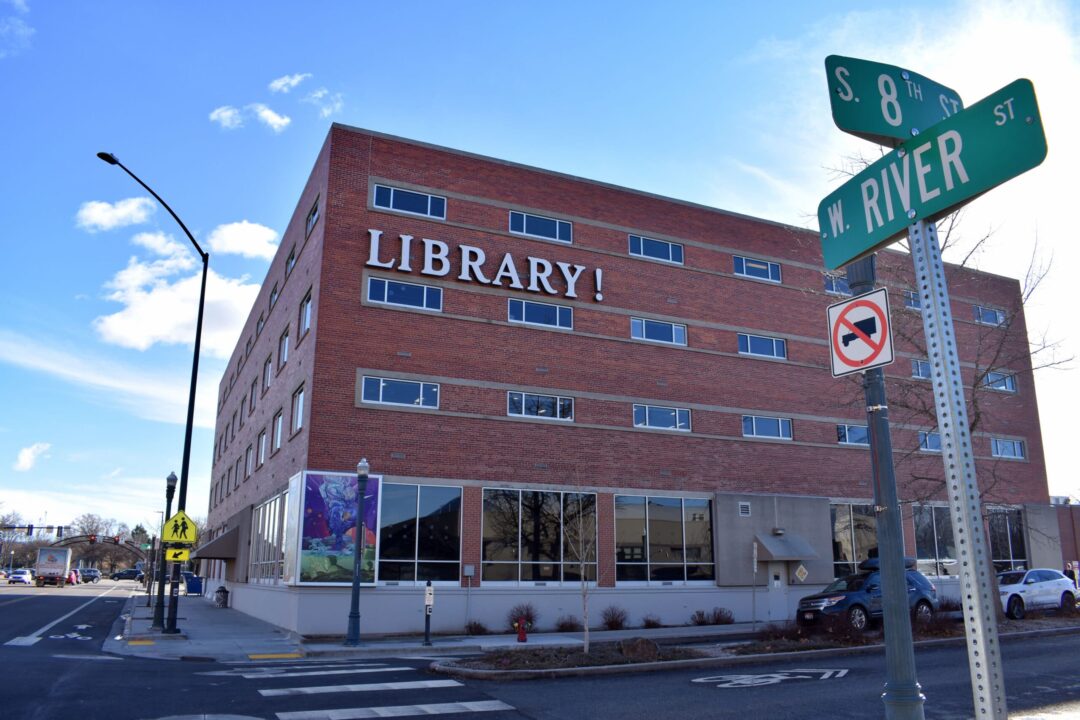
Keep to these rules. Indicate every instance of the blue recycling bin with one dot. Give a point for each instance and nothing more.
(192, 584)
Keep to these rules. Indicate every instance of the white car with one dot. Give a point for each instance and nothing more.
(21, 576)
(1022, 590)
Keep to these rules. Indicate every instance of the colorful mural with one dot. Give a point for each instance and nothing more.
(329, 521)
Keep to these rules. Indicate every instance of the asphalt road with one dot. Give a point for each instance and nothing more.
(52, 666)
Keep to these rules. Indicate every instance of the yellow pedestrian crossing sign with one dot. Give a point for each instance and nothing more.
(177, 555)
(180, 529)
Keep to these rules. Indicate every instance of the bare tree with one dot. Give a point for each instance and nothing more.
(579, 547)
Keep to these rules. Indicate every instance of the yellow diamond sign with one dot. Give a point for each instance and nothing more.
(180, 529)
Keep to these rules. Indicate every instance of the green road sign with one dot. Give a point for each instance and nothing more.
(931, 175)
(883, 103)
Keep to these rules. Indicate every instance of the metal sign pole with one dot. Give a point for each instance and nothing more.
(903, 695)
(979, 603)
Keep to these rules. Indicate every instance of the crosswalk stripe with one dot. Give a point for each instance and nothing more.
(272, 676)
(367, 687)
(397, 711)
(306, 666)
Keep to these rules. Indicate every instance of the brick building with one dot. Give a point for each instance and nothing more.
(554, 378)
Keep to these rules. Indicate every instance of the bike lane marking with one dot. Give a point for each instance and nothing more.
(32, 638)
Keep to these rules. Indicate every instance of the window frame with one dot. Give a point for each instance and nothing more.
(638, 331)
(749, 352)
(981, 312)
(307, 314)
(312, 218)
(912, 300)
(283, 349)
(782, 422)
(416, 560)
(647, 544)
(382, 389)
(394, 190)
(429, 291)
(559, 223)
(997, 443)
(278, 430)
(296, 423)
(559, 399)
(648, 426)
(925, 444)
(838, 283)
(738, 260)
(918, 364)
(641, 244)
(999, 381)
(524, 306)
(847, 434)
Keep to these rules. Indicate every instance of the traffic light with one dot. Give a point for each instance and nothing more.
(29, 529)
(92, 538)
(59, 531)
(116, 539)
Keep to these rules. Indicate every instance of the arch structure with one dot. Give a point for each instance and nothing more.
(128, 545)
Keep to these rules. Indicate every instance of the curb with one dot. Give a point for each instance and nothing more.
(450, 668)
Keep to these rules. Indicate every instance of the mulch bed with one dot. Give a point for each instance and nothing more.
(544, 658)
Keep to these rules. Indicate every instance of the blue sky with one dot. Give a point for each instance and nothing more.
(718, 103)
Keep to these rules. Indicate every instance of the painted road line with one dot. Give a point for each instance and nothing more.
(87, 657)
(275, 656)
(368, 687)
(18, 599)
(397, 711)
(269, 676)
(32, 638)
(271, 671)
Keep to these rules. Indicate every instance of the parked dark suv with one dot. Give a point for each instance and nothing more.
(857, 598)
(128, 574)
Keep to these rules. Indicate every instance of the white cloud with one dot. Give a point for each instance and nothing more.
(15, 33)
(227, 117)
(28, 456)
(268, 117)
(327, 103)
(244, 238)
(96, 215)
(152, 396)
(287, 82)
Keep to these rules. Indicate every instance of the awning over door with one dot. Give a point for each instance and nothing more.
(223, 547)
(788, 546)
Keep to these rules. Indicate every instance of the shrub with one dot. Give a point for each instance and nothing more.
(721, 616)
(475, 627)
(521, 610)
(948, 604)
(568, 623)
(700, 617)
(613, 617)
(777, 631)
(651, 621)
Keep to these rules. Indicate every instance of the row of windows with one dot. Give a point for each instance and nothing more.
(999, 447)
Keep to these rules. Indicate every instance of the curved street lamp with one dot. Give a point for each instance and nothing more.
(352, 634)
(174, 592)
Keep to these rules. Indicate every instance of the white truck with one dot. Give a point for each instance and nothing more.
(53, 566)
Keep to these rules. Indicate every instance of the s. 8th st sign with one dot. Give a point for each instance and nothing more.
(934, 173)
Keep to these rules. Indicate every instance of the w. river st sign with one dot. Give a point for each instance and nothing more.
(934, 173)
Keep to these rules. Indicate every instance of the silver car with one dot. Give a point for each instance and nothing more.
(1023, 590)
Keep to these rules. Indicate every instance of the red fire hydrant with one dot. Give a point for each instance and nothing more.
(522, 626)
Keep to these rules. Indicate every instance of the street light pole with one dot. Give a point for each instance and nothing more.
(158, 622)
(181, 503)
(352, 636)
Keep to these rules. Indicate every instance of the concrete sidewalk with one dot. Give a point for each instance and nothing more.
(226, 635)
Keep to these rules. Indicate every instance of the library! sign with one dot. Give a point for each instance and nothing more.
(471, 264)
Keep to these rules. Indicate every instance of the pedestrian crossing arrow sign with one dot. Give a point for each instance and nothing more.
(178, 555)
(180, 529)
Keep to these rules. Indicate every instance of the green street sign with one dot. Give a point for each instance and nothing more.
(931, 175)
(883, 103)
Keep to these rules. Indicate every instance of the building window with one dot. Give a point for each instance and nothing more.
(260, 325)
(930, 441)
(279, 423)
(656, 249)
(538, 537)
(249, 461)
(274, 296)
(236, 475)
(541, 227)
(282, 350)
(667, 418)
(999, 381)
(290, 263)
(934, 544)
(254, 393)
(400, 392)
(262, 448)
(989, 316)
(657, 331)
(408, 201)
(760, 269)
(663, 540)
(312, 218)
(243, 402)
(549, 407)
(392, 292)
(1002, 448)
(268, 372)
(419, 533)
(854, 531)
(267, 554)
(762, 346)
(247, 349)
(852, 435)
(920, 369)
(297, 410)
(228, 482)
(766, 427)
(912, 300)
(837, 285)
(528, 312)
(1007, 548)
(305, 314)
